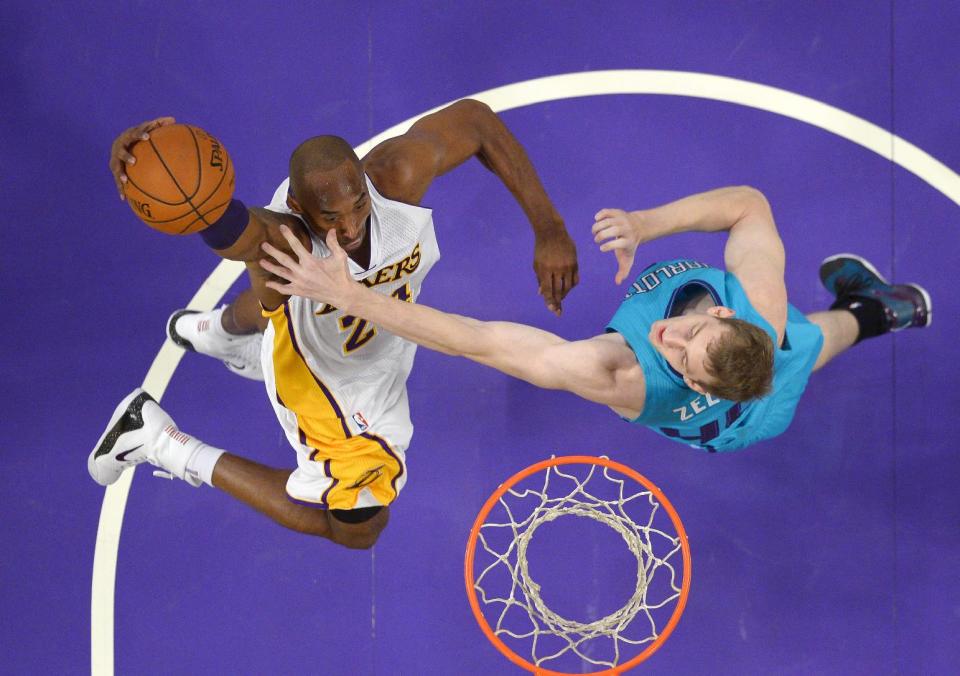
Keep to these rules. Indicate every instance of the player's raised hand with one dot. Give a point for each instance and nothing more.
(325, 280)
(120, 150)
(555, 264)
(621, 232)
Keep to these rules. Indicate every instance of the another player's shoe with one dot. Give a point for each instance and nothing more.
(140, 431)
(202, 332)
(848, 276)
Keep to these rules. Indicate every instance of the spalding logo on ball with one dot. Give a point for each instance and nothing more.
(182, 180)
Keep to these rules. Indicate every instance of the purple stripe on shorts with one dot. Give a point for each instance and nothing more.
(305, 503)
(386, 447)
(323, 388)
(326, 470)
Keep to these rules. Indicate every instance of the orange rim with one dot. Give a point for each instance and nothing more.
(575, 460)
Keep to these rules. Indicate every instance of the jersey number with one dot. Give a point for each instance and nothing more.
(362, 331)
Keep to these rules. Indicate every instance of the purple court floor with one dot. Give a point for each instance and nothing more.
(833, 549)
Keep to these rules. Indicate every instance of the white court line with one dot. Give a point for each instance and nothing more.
(541, 90)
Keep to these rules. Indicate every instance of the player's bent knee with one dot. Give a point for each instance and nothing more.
(358, 528)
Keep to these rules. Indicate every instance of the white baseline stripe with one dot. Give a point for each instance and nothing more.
(115, 497)
(530, 92)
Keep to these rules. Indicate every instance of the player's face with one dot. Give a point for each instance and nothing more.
(340, 202)
(683, 343)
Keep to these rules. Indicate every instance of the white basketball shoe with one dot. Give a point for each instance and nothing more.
(202, 332)
(140, 431)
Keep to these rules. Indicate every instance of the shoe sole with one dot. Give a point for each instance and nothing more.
(109, 437)
(869, 266)
(172, 331)
(927, 300)
(860, 259)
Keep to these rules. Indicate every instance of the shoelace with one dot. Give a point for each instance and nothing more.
(855, 281)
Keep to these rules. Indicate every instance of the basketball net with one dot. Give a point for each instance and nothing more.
(662, 565)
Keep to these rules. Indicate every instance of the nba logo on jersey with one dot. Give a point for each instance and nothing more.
(361, 421)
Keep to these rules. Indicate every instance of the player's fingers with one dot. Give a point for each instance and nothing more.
(279, 256)
(334, 245)
(120, 151)
(546, 290)
(292, 240)
(285, 289)
(555, 290)
(625, 262)
(612, 230)
(275, 269)
(119, 178)
(155, 123)
(601, 224)
(619, 243)
(569, 280)
(606, 213)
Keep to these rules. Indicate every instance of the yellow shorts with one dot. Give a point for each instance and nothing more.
(362, 471)
(343, 461)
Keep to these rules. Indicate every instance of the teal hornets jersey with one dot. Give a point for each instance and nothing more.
(701, 420)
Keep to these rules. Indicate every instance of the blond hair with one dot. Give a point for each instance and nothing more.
(740, 362)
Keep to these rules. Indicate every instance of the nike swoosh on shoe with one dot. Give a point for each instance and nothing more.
(123, 456)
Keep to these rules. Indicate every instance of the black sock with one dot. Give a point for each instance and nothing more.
(869, 313)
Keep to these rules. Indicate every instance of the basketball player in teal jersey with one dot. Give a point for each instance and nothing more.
(715, 359)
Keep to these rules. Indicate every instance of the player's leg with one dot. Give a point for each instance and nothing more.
(840, 331)
(244, 315)
(866, 305)
(140, 431)
(264, 489)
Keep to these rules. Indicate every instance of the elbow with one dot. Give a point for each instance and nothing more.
(752, 198)
(474, 108)
(358, 541)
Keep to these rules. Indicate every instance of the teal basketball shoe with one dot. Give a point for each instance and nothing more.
(850, 277)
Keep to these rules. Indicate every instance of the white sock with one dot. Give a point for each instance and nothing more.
(216, 324)
(202, 461)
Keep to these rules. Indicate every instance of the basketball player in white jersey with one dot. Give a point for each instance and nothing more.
(337, 383)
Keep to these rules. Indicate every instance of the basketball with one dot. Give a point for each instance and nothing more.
(182, 180)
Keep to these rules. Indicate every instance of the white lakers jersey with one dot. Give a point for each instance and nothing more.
(333, 376)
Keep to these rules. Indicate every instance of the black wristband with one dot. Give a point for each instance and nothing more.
(227, 230)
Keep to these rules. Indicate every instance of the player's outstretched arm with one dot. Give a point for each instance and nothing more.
(405, 166)
(754, 250)
(601, 369)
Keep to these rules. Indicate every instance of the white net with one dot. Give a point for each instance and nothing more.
(511, 599)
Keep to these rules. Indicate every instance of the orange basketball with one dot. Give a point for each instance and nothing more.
(182, 180)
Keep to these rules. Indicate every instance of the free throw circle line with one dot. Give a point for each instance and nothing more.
(500, 99)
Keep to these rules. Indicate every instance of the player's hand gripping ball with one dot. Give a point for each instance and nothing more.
(182, 180)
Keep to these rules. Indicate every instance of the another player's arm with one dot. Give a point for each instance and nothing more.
(601, 369)
(404, 167)
(754, 251)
